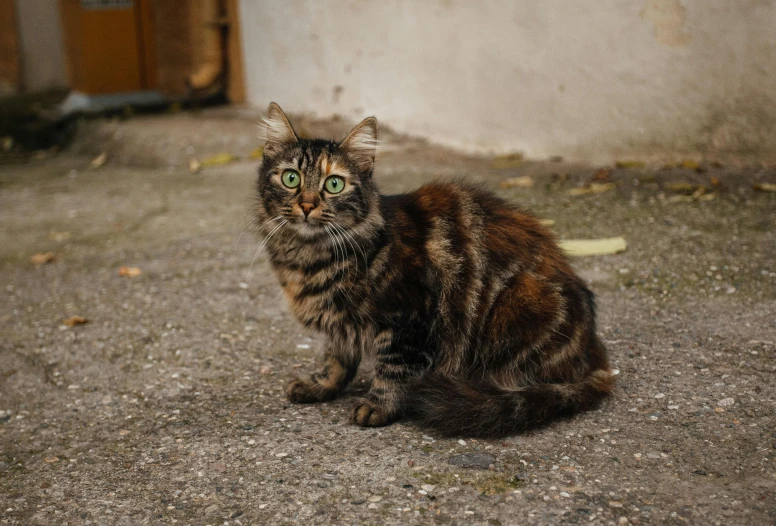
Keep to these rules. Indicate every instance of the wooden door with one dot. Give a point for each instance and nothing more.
(109, 45)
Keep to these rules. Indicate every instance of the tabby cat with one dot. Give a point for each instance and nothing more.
(478, 324)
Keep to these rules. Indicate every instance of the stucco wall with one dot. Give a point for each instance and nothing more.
(587, 80)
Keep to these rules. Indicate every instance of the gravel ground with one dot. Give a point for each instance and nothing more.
(167, 406)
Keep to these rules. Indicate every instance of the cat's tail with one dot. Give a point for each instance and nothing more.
(459, 407)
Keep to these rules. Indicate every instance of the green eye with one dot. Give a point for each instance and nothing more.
(291, 178)
(334, 184)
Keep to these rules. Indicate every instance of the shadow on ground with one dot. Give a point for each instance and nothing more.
(167, 406)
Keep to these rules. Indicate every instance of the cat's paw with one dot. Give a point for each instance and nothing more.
(307, 392)
(369, 414)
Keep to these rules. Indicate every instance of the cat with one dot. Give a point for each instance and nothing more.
(475, 318)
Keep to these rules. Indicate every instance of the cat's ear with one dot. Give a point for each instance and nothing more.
(279, 132)
(361, 144)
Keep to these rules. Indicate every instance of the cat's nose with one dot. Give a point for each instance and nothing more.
(307, 208)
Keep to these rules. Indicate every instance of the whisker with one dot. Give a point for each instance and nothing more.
(344, 262)
(245, 228)
(334, 247)
(355, 254)
(262, 245)
(350, 236)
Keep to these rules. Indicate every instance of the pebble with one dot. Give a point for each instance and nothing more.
(473, 460)
(615, 504)
(726, 402)
(281, 455)
(428, 487)
(462, 442)
(564, 494)
(660, 395)
(375, 498)
(372, 506)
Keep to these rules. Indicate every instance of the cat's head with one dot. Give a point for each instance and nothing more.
(314, 182)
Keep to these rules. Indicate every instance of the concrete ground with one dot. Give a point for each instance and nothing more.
(167, 406)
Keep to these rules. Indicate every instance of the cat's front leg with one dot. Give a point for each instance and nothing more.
(399, 362)
(341, 361)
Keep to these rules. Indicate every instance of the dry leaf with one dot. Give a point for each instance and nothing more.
(517, 182)
(683, 187)
(680, 199)
(765, 187)
(129, 272)
(691, 198)
(258, 153)
(219, 159)
(59, 236)
(630, 164)
(715, 181)
(72, 321)
(601, 175)
(41, 258)
(593, 247)
(699, 193)
(50, 460)
(99, 160)
(194, 165)
(593, 188)
(507, 161)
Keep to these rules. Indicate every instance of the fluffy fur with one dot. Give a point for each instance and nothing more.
(478, 324)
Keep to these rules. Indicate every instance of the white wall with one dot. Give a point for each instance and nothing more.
(42, 49)
(584, 79)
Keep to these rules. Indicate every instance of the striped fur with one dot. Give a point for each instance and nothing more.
(477, 322)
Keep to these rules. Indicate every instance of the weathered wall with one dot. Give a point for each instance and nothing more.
(41, 45)
(588, 80)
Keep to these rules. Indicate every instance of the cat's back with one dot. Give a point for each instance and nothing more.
(463, 228)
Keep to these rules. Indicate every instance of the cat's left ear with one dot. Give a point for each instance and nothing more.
(361, 144)
(279, 131)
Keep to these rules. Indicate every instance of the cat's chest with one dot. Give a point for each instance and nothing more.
(323, 299)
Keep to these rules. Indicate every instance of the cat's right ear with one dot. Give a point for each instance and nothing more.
(279, 133)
